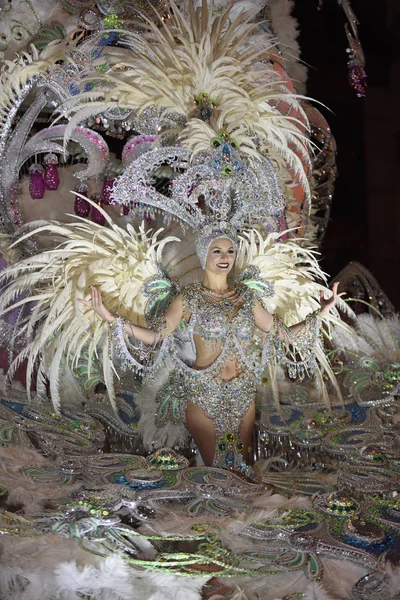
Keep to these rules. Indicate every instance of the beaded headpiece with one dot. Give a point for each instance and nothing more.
(216, 194)
(214, 231)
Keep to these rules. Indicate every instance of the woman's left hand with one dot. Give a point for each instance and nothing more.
(327, 304)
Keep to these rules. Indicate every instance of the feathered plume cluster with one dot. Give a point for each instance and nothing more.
(294, 272)
(116, 261)
(298, 281)
(374, 337)
(199, 55)
(14, 75)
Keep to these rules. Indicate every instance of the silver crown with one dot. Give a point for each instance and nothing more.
(217, 194)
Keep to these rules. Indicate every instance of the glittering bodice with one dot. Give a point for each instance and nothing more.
(219, 318)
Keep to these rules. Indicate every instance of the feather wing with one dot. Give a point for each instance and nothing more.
(116, 261)
(287, 280)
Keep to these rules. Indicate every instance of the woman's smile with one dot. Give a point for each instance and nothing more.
(221, 256)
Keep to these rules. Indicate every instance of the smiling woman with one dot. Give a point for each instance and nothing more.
(219, 379)
(220, 259)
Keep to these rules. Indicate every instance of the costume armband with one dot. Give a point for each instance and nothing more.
(297, 351)
(123, 349)
(160, 328)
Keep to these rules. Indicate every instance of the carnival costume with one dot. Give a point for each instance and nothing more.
(126, 267)
(223, 183)
(198, 103)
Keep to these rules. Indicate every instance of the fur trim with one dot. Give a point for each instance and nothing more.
(109, 579)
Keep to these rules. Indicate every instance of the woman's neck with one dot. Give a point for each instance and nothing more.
(215, 282)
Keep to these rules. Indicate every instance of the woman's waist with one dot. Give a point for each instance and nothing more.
(226, 370)
(226, 362)
(200, 377)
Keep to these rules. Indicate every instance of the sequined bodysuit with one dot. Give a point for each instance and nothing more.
(224, 324)
(215, 361)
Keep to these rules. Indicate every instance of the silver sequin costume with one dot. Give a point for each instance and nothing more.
(225, 324)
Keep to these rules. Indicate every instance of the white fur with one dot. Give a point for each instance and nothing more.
(21, 489)
(110, 579)
(286, 29)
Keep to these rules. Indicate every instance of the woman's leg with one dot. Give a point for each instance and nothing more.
(202, 429)
(246, 429)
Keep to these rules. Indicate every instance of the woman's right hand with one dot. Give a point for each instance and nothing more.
(96, 303)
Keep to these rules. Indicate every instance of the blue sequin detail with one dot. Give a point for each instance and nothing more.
(370, 547)
(15, 406)
(141, 486)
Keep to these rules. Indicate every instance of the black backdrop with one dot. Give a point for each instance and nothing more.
(357, 230)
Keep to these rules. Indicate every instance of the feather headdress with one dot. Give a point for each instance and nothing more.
(207, 73)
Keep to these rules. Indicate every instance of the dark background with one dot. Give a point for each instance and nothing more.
(365, 219)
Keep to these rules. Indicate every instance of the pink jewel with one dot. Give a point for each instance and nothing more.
(81, 207)
(358, 79)
(97, 216)
(51, 177)
(37, 187)
(107, 189)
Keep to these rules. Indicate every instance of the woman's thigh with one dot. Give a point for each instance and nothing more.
(202, 429)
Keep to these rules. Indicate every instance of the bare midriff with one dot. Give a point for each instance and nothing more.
(206, 357)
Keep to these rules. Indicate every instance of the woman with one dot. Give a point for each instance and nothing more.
(220, 384)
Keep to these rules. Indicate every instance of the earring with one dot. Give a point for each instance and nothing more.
(81, 205)
(36, 182)
(97, 216)
(108, 185)
(51, 177)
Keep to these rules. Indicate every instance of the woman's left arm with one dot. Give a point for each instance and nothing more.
(264, 320)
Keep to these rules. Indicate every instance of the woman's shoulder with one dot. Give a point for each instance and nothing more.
(190, 291)
(190, 287)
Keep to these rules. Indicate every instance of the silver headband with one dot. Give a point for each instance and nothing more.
(214, 231)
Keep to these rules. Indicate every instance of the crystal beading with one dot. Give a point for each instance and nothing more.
(303, 343)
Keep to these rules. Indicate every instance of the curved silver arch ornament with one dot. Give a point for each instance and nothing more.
(16, 149)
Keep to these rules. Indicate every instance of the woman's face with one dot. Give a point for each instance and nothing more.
(221, 256)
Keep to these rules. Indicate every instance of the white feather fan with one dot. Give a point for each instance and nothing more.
(114, 260)
(298, 280)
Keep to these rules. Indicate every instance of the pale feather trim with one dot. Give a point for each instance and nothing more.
(286, 28)
(372, 336)
(114, 260)
(23, 491)
(153, 436)
(196, 53)
(109, 579)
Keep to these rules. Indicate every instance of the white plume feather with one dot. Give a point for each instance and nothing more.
(198, 51)
(114, 260)
(298, 281)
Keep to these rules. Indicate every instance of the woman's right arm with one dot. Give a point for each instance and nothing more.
(173, 317)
